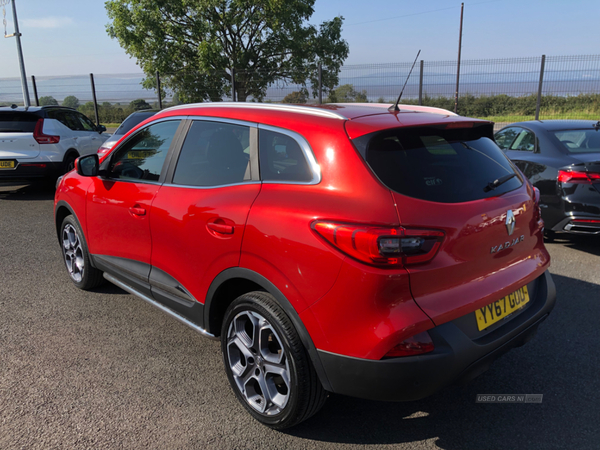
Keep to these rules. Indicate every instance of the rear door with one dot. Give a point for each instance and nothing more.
(118, 204)
(199, 215)
(442, 179)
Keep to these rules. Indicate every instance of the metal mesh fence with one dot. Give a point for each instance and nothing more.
(502, 90)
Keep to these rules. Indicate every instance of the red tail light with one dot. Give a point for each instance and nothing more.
(382, 246)
(414, 345)
(42, 138)
(103, 151)
(568, 176)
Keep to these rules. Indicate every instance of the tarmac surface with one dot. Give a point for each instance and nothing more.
(105, 370)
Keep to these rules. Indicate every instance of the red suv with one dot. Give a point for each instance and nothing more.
(340, 248)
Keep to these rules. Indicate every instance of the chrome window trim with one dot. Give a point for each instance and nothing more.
(242, 123)
(306, 149)
(283, 108)
(187, 186)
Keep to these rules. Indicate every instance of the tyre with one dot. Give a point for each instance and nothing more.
(69, 163)
(76, 256)
(267, 364)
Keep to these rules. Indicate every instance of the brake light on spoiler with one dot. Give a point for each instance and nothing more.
(381, 246)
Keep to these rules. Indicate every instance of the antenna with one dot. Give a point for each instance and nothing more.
(395, 107)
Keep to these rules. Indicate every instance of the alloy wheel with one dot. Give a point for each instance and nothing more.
(259, 363)
(73, 252)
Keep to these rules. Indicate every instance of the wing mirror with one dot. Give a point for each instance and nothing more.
(87, 166)
(100, 129)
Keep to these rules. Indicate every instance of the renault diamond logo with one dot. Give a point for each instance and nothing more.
(510, 222)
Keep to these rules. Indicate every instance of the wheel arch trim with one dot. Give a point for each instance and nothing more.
(282, 301)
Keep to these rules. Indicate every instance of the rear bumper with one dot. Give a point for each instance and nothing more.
(579, 225)
(27, 171)
(456, 357)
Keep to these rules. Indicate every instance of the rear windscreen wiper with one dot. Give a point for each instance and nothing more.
(494, 184)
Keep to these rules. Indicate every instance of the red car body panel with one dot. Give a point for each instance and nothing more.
(117, 231)
(184, 245)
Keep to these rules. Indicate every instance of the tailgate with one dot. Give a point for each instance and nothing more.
(18, 146)
(16, 135)
(454, 178)
(479, 262)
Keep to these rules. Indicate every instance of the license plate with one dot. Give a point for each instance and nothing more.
(141, 154)
(494, 312)
(7, 164)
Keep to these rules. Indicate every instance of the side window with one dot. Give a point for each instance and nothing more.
(86, 124)
(524, 142)
(506, 137)
(281, 158)
(142, 157)
(214, 154)
(61, 116)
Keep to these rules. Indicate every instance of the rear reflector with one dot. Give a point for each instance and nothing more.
(568, 176)
(40, 165)
(381, 246)
(584, 221)
(42, 138)
(414, 345)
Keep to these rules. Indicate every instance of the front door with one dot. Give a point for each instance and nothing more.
(119, 203)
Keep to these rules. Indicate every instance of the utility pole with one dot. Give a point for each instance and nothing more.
(462, 8)
(17, 35)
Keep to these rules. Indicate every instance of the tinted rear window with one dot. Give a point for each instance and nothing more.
(447, 166)
(15, 122)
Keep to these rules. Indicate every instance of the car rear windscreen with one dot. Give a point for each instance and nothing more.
(132, 121)
(17, 122)
(580, 141)
(439, 165)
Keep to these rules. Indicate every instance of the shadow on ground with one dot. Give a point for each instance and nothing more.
(589, 244)
(560, 363)
(30, 192)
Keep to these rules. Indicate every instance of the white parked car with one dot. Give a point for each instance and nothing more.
(43, 142)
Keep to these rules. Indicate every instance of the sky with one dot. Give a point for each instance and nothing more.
(68, 37)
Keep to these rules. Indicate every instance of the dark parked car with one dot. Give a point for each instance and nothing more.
(562, 159)
(132, 120)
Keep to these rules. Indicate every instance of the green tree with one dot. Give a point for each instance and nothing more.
(48, 100)
(347, 94)
(194, 44)
(71, 101)
(294, 97)
(138, 104)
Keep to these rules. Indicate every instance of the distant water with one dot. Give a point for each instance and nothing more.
(386, 84)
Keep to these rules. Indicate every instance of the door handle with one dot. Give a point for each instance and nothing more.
(221, 228)
(137, 211)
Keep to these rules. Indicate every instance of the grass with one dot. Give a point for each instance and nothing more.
(557, 116)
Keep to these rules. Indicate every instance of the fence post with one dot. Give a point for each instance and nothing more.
(462, 8)
(421, 85)
(320, 83)
(233, 85)
(35, 94)
(159, 93)
(94, 97)
(539, 95)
